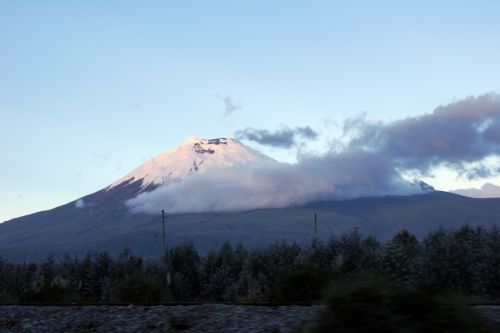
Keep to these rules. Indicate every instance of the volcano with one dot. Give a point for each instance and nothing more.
(105, 220)
(195, 155)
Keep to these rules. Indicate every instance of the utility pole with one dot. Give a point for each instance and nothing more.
(165, 250)
(163, 223)
(315, 226)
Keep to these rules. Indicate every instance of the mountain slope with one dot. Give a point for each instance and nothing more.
(81, 224)
(103, 221)
(67, 229)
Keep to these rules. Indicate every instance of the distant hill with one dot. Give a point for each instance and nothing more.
(488, 190)
(72, 230)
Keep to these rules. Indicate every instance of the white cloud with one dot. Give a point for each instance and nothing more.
(370, 159)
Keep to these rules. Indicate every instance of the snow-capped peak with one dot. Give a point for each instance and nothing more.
(195, 155)
(422, 187)
(426, 188)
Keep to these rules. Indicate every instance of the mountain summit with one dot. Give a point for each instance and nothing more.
(195, 155)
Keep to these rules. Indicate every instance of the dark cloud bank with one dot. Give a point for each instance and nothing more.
(284, 138)
(368, 163)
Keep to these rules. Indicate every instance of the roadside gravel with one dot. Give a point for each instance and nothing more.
(181, 318)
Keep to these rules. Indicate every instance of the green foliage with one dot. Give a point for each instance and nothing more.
(301, 284)
(400, 258)
(319, 254)
(140, 288)
(466, 260)
(48, 293)
(358, 254)
(488, 267)
(184, 262)
(375, 305)
(265, 265)
(221, 273)
(5, 297)
(456, 260)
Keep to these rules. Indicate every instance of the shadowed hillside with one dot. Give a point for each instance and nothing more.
(104, 223)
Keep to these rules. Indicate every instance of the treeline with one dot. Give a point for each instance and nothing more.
(465, 260)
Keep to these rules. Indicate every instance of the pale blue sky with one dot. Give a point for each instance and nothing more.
(90, 89)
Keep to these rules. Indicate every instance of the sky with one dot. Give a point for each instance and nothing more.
(91, 89)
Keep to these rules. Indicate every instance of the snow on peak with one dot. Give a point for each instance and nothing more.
(195, 155)
(421, 187)
(426, 188)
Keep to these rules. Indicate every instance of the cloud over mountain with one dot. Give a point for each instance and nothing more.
(369, 162)
(455, 134)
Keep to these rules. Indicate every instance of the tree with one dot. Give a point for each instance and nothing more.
(400, 258)
(358, 254)
(184, 266)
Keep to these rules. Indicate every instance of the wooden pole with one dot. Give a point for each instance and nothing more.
(315, 226)
(163, 223)
(165, 250)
